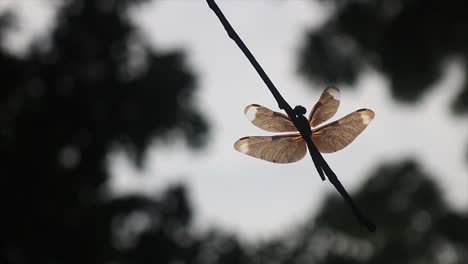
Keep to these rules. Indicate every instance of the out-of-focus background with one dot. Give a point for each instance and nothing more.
(118, 119)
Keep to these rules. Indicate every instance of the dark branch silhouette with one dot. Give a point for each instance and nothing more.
(297, 117)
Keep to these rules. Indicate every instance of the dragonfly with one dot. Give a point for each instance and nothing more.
(290, 147)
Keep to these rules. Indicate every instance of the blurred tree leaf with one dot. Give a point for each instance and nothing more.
(63, 107)
(408, 41)
(414, 225)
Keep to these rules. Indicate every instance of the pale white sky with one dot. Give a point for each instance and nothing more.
(259, 199)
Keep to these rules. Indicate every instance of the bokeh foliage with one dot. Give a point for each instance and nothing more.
(92, 86)
(409, 41)
(414, 225)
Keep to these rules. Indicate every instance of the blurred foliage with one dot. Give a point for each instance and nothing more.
(407, 40)
(414, 225)
(94, 84)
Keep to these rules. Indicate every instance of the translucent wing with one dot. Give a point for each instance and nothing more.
(268, 120)
(338, 134)
(326, 107)
(278, 149)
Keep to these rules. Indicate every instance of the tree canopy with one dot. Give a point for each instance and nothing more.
(64, 107)
(408, 41)
(414, 225)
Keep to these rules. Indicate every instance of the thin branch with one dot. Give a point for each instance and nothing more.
(282, 104)
(297, 117)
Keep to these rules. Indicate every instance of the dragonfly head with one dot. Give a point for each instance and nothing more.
(299, 110)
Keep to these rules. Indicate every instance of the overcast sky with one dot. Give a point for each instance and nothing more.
(258, 199)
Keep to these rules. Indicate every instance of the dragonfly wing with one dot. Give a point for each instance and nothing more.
(326, 107)
(268, 120)
(339, 134)
(277, 149)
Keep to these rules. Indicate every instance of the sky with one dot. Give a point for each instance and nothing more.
(251, 197)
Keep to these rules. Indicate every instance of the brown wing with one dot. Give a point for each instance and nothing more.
(278, 149)
(338, 134)
(268, 120)
(326, 107)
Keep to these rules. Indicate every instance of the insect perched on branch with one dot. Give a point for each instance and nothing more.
(288, 148)
(292, 147)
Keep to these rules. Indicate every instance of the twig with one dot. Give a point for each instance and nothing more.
(282, 104)
(297, 117)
